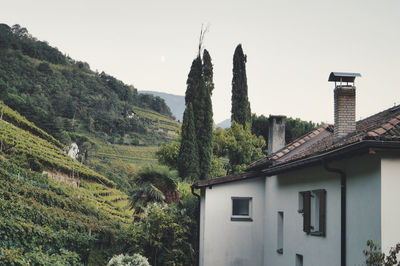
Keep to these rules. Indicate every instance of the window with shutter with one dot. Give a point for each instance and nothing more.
(312, 204)
(306, 195)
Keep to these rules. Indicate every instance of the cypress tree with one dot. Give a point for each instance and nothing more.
(241, 113)
(194, 82)
(188, 159)
(198, 97)
(204, 127)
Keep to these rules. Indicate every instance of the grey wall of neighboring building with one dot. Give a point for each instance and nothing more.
(227, 242)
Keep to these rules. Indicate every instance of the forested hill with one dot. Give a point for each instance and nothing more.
(61, 95)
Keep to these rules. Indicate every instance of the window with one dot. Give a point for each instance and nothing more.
(280, 233)
(312, 204)
(299, 260)
(241, 209)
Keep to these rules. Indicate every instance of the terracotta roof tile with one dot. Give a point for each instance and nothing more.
(280, 154)
(380, 131)
(372, 134)
(387, 126)
(394, 121)
(286, 150)
(297, 144)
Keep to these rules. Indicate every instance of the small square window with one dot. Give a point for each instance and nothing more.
(241, 209)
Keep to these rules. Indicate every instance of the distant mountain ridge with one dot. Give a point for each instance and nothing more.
(177, 105)
(175, 102)
(224, 124)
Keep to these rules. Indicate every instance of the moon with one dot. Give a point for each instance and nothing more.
(162, 59)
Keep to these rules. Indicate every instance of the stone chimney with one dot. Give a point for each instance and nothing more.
(345, 104)
(276, 133)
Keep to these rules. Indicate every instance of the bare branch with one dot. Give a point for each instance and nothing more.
(203, 32)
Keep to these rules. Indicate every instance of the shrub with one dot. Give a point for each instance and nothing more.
(135, 260)
(162, 235)
(377, 258)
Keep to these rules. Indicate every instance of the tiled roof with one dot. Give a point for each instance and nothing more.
(383, 127)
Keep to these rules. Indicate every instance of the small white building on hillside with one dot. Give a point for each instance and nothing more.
(315, 201)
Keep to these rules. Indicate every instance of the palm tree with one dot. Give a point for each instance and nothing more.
(153, 184)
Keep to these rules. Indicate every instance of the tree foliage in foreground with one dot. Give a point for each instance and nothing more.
(163, 235)
(375, 257)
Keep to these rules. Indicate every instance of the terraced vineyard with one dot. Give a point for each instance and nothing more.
(138, 155)
(15, 118)
(158, 121)
(14, 140)
(45, 220)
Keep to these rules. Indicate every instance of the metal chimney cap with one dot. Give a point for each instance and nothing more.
(343, 76)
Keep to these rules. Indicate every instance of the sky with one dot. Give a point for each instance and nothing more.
(291, 47)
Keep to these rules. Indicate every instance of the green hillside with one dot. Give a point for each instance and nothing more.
(63, 96)
(47, 222)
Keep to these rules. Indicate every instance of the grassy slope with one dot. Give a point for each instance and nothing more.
(38, 211)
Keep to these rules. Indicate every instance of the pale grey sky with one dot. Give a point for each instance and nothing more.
(291, 46)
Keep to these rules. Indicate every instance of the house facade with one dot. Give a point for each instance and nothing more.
(315, 201)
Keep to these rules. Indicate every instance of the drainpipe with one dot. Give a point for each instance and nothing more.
(198, 222)
(342, 209)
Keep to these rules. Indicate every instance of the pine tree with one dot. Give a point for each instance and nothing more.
(241, 113)
(188, 159)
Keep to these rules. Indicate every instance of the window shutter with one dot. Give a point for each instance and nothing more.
(322, 211)
(306, 211)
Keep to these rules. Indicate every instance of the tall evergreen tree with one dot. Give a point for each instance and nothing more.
(194, 82)
(188, 159)
(198, 98)
(241, 113)
(204, 117)
(208, 71)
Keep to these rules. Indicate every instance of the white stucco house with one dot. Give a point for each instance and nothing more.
(315, 201)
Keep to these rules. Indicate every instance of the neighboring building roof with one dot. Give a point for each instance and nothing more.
(381, 129)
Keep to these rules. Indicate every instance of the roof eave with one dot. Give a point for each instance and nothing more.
(345, 151)
(339, 153)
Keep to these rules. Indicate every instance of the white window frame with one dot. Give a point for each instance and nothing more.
(242, 218)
